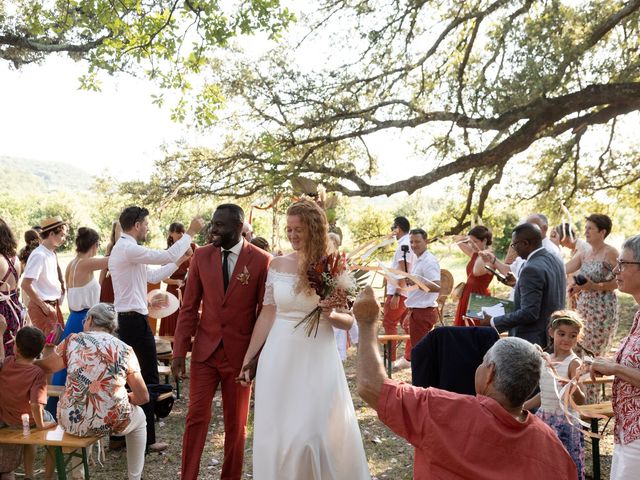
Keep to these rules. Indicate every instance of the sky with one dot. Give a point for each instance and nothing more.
(46, 117)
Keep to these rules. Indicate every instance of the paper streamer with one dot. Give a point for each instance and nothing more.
(566, 211)
(569, 408)
(393, 275)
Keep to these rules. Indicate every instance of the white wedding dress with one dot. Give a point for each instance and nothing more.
(305, 426)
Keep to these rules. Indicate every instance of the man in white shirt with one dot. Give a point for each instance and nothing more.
(422, 306)
(543, 223)
(41, 281)
(394, 308)
(247, 231)
(129, 268)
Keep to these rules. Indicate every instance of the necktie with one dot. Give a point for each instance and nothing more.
(225, 268)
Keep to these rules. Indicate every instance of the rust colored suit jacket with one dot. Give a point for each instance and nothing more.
(226, 317)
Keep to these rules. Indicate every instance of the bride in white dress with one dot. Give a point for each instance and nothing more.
(305, 427)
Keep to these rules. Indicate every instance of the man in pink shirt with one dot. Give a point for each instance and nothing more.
(489, 436)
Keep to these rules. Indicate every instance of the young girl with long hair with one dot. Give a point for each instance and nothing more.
(565, 329)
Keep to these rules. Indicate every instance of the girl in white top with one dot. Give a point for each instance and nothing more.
(565, 328)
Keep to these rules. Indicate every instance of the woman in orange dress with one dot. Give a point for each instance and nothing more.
(176, 281)
(478, 277)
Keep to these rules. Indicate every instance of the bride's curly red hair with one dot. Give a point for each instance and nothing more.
(316, 244)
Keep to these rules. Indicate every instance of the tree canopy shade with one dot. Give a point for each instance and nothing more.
(480, 83)
(167, 40)
(485, 88)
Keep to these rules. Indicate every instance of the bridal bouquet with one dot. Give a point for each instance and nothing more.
(331, 279)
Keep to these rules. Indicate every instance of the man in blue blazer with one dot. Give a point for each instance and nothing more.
(540, 290)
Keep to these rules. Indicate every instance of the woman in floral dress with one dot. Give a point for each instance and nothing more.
(95, 400)
(625, 366)
(596, 300)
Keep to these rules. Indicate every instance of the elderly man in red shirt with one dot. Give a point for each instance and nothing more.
(489, 436)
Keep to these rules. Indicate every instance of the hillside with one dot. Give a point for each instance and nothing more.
(24, 176)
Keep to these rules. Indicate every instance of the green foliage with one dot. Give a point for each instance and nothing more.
(369, 223)
(501, 223)
(477, 82)
(167, 40)
(21, 213)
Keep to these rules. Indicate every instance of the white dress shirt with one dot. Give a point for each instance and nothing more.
(128, 265)
(232, 259)
(397, 258)
(42, 267)
(426, 267)
(553, 248)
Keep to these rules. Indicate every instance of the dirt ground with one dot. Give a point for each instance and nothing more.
(390, 457)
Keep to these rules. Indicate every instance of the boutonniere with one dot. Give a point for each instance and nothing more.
(244, 277)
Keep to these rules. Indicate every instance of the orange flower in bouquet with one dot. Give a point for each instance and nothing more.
(332, 281)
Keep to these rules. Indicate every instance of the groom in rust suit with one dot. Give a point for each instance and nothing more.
(228, 278)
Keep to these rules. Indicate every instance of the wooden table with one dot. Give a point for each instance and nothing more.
(55, 390)
(387, 342)
(168, 338)
(606, 410)
(69, 445)
(599, 380)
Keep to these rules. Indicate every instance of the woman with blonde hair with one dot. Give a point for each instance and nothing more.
(304, 422)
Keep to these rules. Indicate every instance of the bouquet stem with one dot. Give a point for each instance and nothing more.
(311, 322)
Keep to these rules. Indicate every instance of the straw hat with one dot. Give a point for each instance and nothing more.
(51, 223)
(170, 306)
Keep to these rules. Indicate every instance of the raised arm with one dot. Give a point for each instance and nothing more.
(51, 363)
(93, 264)
(465, 244)
(370, 373)
(478, 266)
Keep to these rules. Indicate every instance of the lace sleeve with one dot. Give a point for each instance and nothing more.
(268, 290)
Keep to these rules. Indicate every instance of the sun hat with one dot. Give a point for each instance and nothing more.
(171, 305)
(51, 223)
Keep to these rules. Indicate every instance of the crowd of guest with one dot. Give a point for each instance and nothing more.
(566, 306)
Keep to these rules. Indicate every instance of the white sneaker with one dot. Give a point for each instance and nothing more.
(401, 363)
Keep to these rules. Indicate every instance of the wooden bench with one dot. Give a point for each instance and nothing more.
(587, 412)
(387, 342)
(55, 390)
(64, 450)
(165, 370)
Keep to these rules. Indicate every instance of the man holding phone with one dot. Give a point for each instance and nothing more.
(394, 307)
(422, 306)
